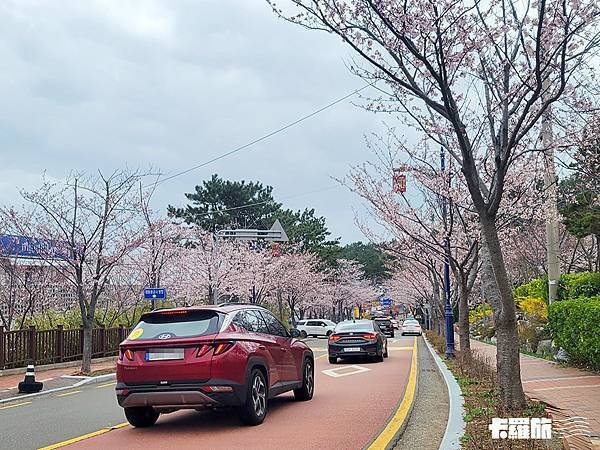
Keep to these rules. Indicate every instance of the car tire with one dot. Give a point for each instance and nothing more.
(141, 416)
(379, 358)
(333, 360)
(329, 333)
(303, 334)
(305, 392)
(392, 334)
(385, 354)
(254, 409)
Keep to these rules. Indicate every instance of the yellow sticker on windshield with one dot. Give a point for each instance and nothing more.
(135, 334)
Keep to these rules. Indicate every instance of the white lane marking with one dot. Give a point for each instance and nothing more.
(335, 373)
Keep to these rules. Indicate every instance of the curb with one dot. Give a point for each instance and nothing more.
(85, 381)
(455, 427)
(401, 413)
(46, 367)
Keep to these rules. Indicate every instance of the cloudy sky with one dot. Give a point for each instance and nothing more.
(170, 84)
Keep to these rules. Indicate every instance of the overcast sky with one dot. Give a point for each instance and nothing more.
(170, 84)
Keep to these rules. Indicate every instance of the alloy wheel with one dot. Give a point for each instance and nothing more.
(309, 381)
(259, 396)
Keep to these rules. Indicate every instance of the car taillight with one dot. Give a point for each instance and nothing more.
(369, 336)
(334, 337)
(219, 348)
(128, 354)
(222, 347)
(203, 350)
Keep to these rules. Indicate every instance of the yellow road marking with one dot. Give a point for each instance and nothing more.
(15, 405)
(85, 436)
(112, 383)
(385, 437)
(68, 393)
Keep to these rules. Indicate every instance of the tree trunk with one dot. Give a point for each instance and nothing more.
(86, 360)
(463, 318)
(499, 291)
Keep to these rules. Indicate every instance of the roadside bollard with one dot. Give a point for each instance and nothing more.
(29, 385)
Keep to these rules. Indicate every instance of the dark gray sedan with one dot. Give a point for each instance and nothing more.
(357, 338)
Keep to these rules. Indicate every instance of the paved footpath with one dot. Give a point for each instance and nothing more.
(52, 378)
(573, 391)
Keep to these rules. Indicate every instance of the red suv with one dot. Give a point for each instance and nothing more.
(208, 357)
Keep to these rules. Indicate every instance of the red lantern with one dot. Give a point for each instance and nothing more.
(399, 182)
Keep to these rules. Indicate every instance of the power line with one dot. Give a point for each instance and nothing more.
(262, 138)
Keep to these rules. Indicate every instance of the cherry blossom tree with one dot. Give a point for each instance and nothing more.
(96, 221)
(481, 75)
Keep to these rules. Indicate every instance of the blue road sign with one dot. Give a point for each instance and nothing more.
(385, 302)
(154, 293)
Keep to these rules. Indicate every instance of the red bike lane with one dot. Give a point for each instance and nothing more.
(347, 412)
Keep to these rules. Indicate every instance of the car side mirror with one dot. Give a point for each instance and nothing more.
(295, 333)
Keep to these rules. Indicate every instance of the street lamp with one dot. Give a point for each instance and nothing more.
(448, 307)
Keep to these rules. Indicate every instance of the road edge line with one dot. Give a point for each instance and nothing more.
(83, 437)
(455, 427)
(398, 421)
(89, 380)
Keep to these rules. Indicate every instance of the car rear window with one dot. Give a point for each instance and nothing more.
(411, 322)
(354, 326)
(175, 324)
(383, 321)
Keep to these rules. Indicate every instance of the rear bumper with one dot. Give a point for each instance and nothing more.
(413, 332)
(180, 395)
(336, 350)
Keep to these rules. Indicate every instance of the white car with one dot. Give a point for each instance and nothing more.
(411, 326)
(315, 327)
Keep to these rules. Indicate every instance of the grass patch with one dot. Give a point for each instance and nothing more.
(478, 383)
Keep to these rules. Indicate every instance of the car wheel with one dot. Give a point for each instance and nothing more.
(329, 333)
(379, 358)
(392, 334)
(303, 334)
(254, 409)
(308, 382)
(333, 360)
(385, 354)
(141, 416)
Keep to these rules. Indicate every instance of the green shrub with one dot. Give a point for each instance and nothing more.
(575, 326)
(570, 285)
(582, 284)
(538, 287)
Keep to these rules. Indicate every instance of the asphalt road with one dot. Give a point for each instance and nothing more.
(346, 413)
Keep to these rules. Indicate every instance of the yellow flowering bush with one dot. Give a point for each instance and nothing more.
(534, 308)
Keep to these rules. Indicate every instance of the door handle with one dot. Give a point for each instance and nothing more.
(262, 347)
(283, 349)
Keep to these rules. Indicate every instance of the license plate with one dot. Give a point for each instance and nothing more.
(161, 355)
(352, 349)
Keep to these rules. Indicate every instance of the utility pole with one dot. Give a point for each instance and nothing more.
(551, 188)
(448, 307)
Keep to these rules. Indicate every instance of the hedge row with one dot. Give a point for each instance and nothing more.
(575, 326)
(570, 286)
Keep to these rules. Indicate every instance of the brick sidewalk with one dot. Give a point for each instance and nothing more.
(52, 378)
(574, 391)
